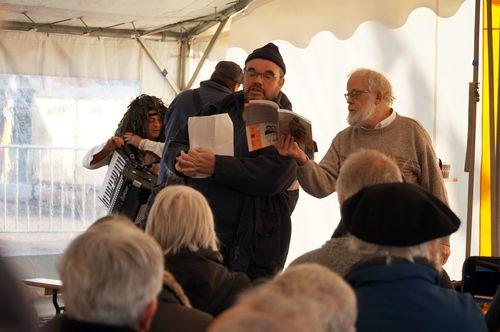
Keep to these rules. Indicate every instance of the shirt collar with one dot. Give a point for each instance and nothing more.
(387, 121)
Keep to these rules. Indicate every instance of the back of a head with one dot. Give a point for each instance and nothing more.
(363, 168)
(264, 309)
(228, 72)
(241, 320)
(336, 299)
(111, 273)
(181, 218)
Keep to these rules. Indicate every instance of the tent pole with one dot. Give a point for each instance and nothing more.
(493, 157)
(183, 60)
(206, 53)
(162, 69)
(471, 137)
(495, 227)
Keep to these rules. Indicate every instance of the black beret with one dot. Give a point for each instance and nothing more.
(269, 52)
(397, 214)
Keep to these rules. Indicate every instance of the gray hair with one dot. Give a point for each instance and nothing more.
(265, 309)
(181, 218)
(363, 168)
(429, 250)
(336, 298)
(376, 82)
(111, 273)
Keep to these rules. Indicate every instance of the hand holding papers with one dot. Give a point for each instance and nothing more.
(208, 136)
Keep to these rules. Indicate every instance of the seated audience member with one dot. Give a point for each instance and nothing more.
(336, 301)
(174, 311)
(182, 223)
(493, 315)
(308, 295)
(141, 128)
(16, 313)
(398, 227)
(112, 275)
(363, 168)
(269, 312)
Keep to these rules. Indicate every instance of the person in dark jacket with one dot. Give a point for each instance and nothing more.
(493, 314)
(398, 227)
(112, 275)
(182, 223)
(248, 192)
(16, 313)
(175, 313)
(226, 79)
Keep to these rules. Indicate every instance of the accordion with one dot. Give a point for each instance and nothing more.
(127, 187)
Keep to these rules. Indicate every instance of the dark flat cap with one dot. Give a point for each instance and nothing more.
(228, 70)
(397, 214)
(269, 52)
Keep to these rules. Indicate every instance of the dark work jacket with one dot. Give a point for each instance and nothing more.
(182, 107)
(62, 323)
(173, 316)
(208, 284)
(248, 196)
(405, 296)
(493, 315)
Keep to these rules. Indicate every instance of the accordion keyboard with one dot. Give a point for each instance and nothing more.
(113, 180)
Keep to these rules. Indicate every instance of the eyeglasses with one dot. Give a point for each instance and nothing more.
(268, 76)
(354, 94)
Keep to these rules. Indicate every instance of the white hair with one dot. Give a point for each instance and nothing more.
(111, 273)
(181, 218)
(429, 250)
(363, 168)
(263, 308)
(330, 298)
(376, 82)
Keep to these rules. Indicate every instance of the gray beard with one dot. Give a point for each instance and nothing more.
(363, 117)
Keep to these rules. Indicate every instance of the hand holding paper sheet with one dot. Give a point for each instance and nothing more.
(214, 132)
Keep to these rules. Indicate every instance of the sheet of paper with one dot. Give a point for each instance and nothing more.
(214, 132)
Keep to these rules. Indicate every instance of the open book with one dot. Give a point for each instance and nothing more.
(265, 123)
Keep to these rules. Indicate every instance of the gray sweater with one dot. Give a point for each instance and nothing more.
(404, 140)
(334, 254)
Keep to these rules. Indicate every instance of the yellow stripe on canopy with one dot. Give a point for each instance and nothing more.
(485, 211)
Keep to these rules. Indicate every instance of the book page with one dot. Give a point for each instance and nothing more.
(298, 126)
(261, 118)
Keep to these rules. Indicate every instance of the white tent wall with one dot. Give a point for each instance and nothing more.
(89, 57)
(428, 60)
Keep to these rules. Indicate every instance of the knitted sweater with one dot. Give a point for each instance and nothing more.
(404, 140)
(334, 254)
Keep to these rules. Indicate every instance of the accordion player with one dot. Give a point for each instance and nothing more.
(126, 187)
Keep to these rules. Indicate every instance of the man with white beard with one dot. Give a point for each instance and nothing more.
(373, 125)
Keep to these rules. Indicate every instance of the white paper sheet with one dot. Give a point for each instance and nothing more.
(214, 132)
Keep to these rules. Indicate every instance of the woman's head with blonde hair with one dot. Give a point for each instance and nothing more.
(181, 218)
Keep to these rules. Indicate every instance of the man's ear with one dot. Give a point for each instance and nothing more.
(378, 97)
(281, 82)
(147, 316)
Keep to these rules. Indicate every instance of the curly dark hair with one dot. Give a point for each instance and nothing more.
(136, 117)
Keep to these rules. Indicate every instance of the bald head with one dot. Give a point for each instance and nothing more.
(363, 168)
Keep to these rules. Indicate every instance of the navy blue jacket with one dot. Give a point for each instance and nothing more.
(182, 107)
(248, 196)
(405, 296)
